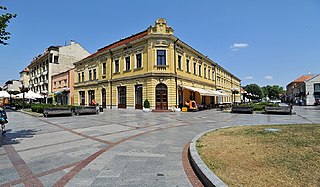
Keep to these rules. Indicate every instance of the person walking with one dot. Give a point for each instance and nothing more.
(3, 118)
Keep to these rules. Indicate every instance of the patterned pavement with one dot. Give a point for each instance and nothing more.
(114, 148)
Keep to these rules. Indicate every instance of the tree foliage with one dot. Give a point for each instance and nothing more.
(273, 92)
(254, 89)
(4, 21)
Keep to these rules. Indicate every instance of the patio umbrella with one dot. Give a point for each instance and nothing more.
(4, 94)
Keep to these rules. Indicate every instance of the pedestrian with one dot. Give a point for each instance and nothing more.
(3, 118)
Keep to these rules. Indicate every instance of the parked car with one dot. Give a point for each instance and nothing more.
(317, 102)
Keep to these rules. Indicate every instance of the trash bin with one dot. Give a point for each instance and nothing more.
(100, 108)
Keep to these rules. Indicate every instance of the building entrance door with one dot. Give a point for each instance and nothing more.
(161, 97)
(122, 97)
(138, 96)
(103, 95)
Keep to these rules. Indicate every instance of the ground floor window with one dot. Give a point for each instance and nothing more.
(82, 97)
(91, 97)
(104, 99)
(122, 97)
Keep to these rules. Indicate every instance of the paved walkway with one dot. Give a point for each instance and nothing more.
(115, 148)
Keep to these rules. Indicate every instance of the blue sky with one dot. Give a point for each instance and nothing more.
(263, 42)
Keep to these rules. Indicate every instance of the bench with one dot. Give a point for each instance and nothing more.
(278, 110)
(242, 109)
(86, 110)
(57, 112)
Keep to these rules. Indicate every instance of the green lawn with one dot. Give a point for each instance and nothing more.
(251, 156)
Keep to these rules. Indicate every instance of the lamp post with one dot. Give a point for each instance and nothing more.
(23, 90)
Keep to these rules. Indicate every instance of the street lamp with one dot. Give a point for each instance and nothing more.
(23, 89)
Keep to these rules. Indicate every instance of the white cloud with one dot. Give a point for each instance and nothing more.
(239, 45)
(248, 77)
(268, 77)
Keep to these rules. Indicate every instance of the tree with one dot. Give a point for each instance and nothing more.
(273, 92)
(254, 89)
(4, 21)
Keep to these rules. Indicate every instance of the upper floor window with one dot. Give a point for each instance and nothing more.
(55, 59)
(128, 65)
(208, 73)
(90, 75)
(179, 62)
(212, 75)
(82, 77)
(200, 69)
(195, 68)
(205, 72)
(116, 66)
(187, 65)
(161, 57)
(317, 87)
(138, 60)
(94, 74)
(104, 68)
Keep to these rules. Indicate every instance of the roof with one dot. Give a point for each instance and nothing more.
(303, 78)
(25, 70)
(119, 43)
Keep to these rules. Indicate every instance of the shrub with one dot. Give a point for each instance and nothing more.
(146, 104)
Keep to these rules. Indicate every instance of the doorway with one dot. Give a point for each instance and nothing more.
(161, 97)
(138, 96)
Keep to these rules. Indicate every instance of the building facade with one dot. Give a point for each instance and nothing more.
(54, 60)
(312, 87)
(154, 65)
(24, 77)
(296, 90)
(62, 87)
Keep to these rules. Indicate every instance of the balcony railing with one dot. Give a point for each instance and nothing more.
(161, 67)
(45, 72)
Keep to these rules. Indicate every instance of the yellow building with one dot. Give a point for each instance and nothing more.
(155, 65)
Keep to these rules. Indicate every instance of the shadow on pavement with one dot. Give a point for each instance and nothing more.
(14, 137)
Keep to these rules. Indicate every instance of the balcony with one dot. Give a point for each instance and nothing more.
(161, 67)
(46, 81)
(38, 75)
(35, 84)
(45, 72)
(32, 78)
(41, 83)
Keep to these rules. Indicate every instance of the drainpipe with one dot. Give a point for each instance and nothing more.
(111, 70)
(175, 71)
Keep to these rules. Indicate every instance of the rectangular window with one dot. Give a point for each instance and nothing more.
(212, 75)
(179, 62)
(127, 59)
(208, 73)
(161, 57)
(200, 69)
(187, 65)
(94, 74)
(104, 68)
(116, 66)
(195, 68)
(82, 97)
(91, 97)
(65, 83)
(317, 87)
(59, 84)
(205, 72)
(82, 77)
(56, 58)
(90, 75)
(139, 60)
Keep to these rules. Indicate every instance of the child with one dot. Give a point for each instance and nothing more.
(3, 118)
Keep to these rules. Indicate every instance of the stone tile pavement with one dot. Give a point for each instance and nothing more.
(114, 148)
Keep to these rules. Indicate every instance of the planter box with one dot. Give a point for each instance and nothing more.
(278, 110)
(57, 112)
(86, 110)
(242, 109)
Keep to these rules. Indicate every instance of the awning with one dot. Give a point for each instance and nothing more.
(204, 92)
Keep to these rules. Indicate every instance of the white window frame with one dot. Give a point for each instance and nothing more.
(156, 56)
(135, 60)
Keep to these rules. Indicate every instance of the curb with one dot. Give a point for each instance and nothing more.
(31, 114)
(206, 176)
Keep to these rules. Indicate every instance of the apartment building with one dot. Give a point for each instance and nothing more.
(155, 65)
(54, 60)
(62, 87)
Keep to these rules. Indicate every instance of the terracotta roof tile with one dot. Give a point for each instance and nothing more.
(302, 78)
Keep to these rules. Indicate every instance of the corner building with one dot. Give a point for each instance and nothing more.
(153, 65)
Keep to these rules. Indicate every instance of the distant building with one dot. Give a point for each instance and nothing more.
(303, 91)
(62, 87)
(54, 60)
(12, 86)
(312, 87)
(25, 77)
